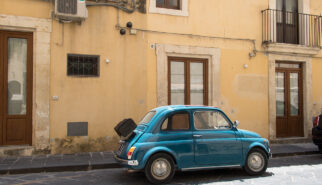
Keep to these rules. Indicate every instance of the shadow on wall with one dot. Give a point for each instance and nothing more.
(70, 145)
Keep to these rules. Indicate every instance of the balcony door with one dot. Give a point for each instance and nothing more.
(287, 21)
(289, 100)
(15, 88)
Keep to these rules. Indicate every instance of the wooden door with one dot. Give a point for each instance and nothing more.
(287, 21)
(16, 49)
(289, 100)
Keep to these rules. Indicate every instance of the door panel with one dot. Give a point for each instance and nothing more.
(289, 100)
(280, 95)
(215, 141)
(16, 88)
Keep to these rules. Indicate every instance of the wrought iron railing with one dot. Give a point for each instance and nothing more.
(291, 27)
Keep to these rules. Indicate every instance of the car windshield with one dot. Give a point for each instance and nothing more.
(147, 118)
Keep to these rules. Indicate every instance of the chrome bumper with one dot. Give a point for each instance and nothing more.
(125, 162)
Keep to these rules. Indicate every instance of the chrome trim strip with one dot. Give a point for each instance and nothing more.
(209, 167)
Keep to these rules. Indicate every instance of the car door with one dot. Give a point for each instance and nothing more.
(176, 135)
(215, 141)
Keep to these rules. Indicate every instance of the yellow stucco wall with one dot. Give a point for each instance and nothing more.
(29, 8)
(316, 9)
(127, 86)
(317, 86)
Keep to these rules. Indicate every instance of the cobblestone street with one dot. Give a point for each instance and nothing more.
(284, 170)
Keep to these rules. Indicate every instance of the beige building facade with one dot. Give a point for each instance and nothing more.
(86, 69)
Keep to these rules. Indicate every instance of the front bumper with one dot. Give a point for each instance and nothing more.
(126, 163)
(270, 155)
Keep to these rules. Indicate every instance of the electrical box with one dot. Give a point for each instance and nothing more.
(71, 10)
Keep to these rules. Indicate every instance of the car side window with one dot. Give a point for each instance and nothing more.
(210, 120)
(178, 121)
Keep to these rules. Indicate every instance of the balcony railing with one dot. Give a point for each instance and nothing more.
(291, 27)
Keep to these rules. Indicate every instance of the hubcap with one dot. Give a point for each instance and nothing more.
(255, 161)
(160, 168)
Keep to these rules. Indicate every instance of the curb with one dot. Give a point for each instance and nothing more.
(294, 154)
(76, 167)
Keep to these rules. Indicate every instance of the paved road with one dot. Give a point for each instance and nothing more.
(285, 170)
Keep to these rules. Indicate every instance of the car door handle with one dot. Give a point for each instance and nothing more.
(197, 136)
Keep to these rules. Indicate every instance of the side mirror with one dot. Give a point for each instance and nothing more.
(236, 123)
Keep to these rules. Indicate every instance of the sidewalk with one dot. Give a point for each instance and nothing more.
(100, 160)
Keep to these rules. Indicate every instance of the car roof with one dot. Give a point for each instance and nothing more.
(184, 107)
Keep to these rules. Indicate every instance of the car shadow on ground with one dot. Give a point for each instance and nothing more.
(226, 175)
(201, 177)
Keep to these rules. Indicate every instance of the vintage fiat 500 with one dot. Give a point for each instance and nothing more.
(183, 138)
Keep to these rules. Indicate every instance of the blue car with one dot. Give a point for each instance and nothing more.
(185, 138)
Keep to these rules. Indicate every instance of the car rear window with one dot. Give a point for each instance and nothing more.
(147, 118)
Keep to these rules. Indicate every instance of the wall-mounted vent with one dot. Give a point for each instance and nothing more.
(67, 6)
(73, 10)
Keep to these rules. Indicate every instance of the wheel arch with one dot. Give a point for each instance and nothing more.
(259, 146)
(157, 150)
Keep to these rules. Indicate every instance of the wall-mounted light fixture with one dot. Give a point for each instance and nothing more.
(107, 60)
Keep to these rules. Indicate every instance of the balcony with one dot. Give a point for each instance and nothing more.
(291, 28)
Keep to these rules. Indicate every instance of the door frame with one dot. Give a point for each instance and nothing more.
(187, 61)
(4, 86)
(1, 87)
(306, 62)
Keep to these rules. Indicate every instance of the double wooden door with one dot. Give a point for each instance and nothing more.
(289, 100)
(16, 49)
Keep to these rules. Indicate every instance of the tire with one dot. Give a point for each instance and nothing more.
(256, 162)
(160, 168)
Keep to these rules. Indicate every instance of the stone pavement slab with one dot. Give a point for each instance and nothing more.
(101, 160)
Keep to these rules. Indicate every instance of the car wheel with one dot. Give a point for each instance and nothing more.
(256, 162)
(159, 168)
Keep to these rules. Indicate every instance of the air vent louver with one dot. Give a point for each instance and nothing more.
(67, 6)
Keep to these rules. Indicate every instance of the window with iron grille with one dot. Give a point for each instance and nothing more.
(83, 65)
(169, 4)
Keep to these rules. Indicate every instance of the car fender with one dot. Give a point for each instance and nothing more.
(155, 150)
(256, 144)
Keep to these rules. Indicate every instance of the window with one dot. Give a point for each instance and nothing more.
(82, 65)
(147, 118)
(188, 81)
(170, 4)
(210, 120)
(178, 121)
(169, 7)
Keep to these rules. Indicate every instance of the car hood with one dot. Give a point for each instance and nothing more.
(249, 134)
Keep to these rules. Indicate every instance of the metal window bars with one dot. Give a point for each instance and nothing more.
(291, 27)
